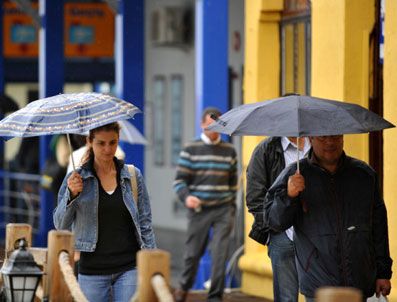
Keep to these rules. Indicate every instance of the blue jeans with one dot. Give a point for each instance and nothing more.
(104, 288)
(285, 277)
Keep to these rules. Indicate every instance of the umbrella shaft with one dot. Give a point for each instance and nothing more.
(71, 151)
(297, 155)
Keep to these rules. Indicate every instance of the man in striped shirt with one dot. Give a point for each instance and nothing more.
(206, 182)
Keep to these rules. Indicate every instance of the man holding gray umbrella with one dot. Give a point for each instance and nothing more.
(339, 219)
(332, 200)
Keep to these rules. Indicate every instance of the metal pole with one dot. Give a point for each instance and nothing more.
(2, 222)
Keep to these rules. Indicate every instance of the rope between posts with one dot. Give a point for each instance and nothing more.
(70, 278)
(39, 292)
(161, 289)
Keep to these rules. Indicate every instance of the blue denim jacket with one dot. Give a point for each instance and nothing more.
(81, 214)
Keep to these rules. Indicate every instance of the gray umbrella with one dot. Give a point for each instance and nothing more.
(297, 116)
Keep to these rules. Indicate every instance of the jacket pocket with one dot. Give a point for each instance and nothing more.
(361, 253)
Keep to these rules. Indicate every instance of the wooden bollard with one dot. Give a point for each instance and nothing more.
(58, 241)
(338, 294)
(150, 263)
(15, 231)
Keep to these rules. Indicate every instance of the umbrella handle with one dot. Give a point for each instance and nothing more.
(71, 152)
(297, 155)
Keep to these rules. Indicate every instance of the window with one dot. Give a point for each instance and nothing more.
(296, 47)
(176, 116)
(159, 120)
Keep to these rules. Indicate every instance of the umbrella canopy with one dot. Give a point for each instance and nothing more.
(66, 113)
(297, 116)
(130, 134)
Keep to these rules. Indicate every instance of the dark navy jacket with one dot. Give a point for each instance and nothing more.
(340, 225)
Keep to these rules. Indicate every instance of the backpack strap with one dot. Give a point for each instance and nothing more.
(134, 184)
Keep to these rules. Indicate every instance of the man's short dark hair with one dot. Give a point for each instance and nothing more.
(210, 111)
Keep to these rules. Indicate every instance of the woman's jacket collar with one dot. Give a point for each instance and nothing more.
(86, 170)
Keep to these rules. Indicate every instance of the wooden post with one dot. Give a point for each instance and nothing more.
(14, 232)
(150, 263)
(58, 241)
(338, 294)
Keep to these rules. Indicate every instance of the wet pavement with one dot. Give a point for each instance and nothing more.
(234, 296)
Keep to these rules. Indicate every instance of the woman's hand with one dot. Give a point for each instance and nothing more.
(75, 184)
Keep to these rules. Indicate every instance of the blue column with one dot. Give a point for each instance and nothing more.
(51, 78)
(211, 40)
(1, 116)
(211, 56)
(129, 64)
(1, 49)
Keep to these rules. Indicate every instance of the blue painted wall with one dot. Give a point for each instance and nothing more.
(129, 62)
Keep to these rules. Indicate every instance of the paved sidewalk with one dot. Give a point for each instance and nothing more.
(234, 296)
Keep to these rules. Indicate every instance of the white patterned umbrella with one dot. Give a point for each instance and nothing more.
(66, 113)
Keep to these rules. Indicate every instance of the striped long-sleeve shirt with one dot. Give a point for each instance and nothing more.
(207, 171)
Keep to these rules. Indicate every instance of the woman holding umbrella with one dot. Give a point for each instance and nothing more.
(97, 203)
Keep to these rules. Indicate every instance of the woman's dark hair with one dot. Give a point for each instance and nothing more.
(115, 126)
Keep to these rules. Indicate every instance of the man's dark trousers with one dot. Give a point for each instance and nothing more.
(221, 220)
